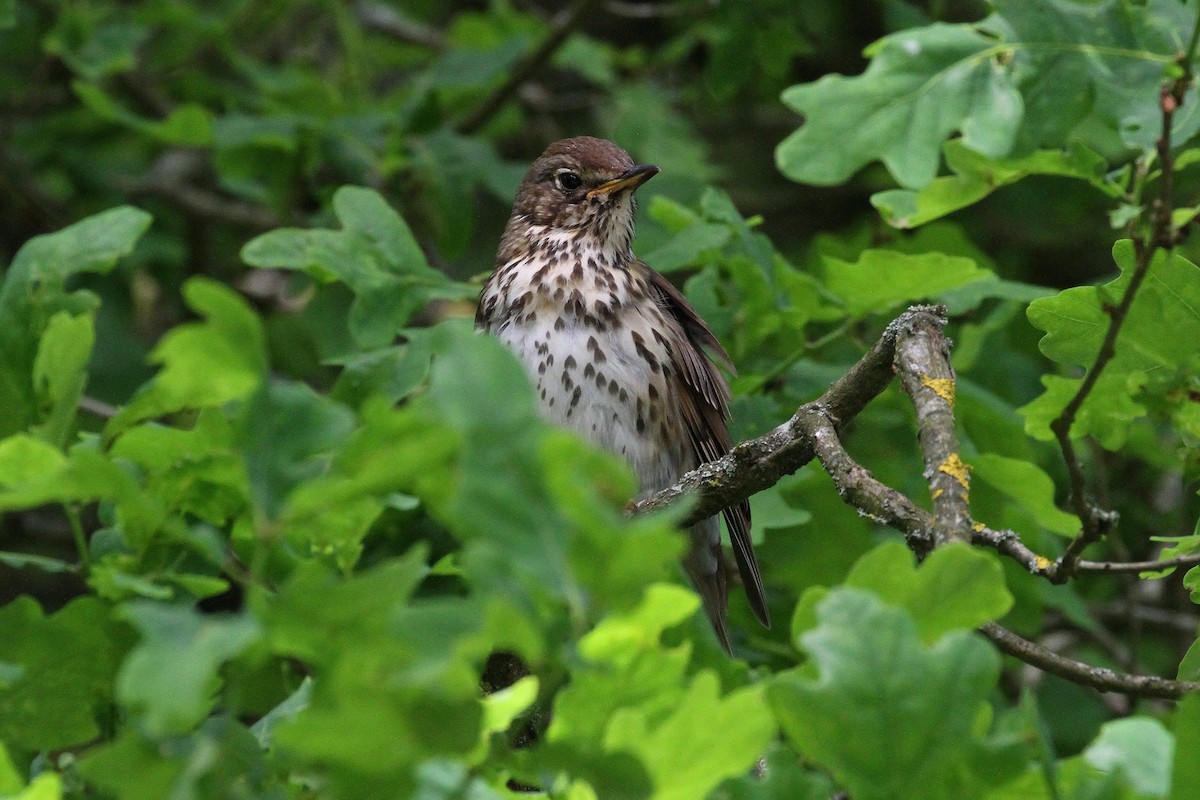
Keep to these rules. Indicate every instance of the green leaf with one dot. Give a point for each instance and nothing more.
(501, 708)
(881, 280)
(68, 660)
(976, 176)
(620, 637)
(221, 759)
(1140, 748)
(889, 717)
(188, 125)
(1165, 312)
(1029, 486)
(205, 363)
(170, 676)
(1185, 773)
(707, 738)
(289, 434)
(374, 254)
(59, 372)
(98, 51)
(957, 570)
(34, 291)
(24, 459)
(296, 702)
(784, 778)
(684, 249)
(921, 86)
(1091, 72)
(10, 779)
(1031, 76)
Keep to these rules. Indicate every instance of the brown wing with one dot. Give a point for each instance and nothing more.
(705, 407)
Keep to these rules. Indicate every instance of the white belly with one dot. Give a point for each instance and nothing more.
(596, 383)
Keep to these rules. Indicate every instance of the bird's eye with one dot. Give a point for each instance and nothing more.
(567, 181)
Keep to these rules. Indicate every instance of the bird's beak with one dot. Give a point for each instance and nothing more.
(630, 179)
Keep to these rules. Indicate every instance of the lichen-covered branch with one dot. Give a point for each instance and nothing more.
(923, 366)
(760, 463)
(1105, 680)
(914, 348)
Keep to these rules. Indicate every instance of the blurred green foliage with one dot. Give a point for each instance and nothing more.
(272, 511)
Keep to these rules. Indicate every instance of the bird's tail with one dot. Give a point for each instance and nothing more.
(706, 566)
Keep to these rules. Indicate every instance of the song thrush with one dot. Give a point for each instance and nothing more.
(616, 352)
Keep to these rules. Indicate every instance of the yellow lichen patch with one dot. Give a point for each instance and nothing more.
(942, 387)
(1043, 562)
(956, 468)
(937, 493)
(978, 527)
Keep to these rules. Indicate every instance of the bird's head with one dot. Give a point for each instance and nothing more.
(582, 187)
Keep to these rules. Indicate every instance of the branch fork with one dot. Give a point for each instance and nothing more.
(913, 349)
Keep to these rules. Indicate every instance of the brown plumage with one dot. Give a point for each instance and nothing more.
(615, 351)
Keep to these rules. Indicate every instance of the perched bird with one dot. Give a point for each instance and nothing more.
(616, 352)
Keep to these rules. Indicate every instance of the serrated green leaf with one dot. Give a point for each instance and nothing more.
(881, 280)
(33, 291)
(976, 176)
(1033, 75)
(706, 739)
(619, 637)
(170, 676)
(374, 254)
(921, 86)
(957, 570)
(206, 363)
(1165, 312)
(887, 716)
(1029, 486)
(684, 249)
(68, 660)
(1091, 72)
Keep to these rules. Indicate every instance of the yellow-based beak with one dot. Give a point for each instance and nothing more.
(630, 179)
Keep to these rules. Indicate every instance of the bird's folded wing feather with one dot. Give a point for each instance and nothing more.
(705, 406)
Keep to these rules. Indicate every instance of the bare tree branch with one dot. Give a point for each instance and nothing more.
(389, 21)
(564, 24)
(1105, 680)
(1190, 560)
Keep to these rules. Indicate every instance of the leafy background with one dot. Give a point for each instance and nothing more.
(271, 511)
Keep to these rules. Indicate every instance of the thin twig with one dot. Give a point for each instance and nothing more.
(96, 407)
(1105, 680)
(389, 21)
(1138, 566)
(647, 10)
(1095, 521)
(563, 25)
